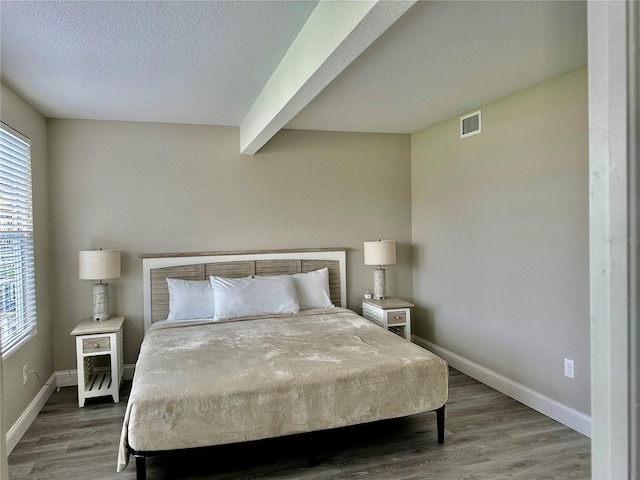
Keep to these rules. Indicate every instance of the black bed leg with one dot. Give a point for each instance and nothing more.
(312, 442)
(141, 467)
(440, 423)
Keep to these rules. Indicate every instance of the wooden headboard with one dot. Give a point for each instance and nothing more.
(156, 268)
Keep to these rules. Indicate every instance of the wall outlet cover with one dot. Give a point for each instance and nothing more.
(569, 370)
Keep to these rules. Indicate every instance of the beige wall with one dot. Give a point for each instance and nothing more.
(500, 237)
(38, 352)
(145, 187)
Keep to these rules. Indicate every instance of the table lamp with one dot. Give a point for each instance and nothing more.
(379, 252)
(99, 265)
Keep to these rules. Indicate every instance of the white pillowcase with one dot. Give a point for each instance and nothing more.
(189, 299)
(247, 297)
(313, 289)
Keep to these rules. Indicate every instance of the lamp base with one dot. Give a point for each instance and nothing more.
(100, 302)
(379, 284)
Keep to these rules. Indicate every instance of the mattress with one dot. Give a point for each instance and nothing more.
(209, 383)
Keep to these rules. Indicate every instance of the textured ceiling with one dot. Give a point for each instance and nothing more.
(163, 61)
(206, 62)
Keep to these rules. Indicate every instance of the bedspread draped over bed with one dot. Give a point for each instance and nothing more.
(215, 383)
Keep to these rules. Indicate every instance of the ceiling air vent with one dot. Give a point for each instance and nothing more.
(470, 124)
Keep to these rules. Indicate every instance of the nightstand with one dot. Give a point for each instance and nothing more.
(390, 313)
(94, 339)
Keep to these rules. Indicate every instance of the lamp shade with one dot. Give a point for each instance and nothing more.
(99, 264)
(380, 252)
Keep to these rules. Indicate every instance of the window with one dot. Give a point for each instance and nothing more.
(17, 272)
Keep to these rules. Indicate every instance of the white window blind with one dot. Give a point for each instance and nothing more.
(17, 271)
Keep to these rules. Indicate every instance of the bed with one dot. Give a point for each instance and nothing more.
(228, 376)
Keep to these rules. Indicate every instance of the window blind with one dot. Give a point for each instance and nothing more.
(18, 321)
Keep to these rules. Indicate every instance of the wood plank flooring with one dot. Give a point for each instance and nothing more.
(488, 436)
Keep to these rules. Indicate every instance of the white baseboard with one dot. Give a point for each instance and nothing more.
(65, 378)
(568, 416)
(23, 423)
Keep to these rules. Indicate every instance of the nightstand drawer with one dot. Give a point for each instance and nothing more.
(396, 318)
(98, 344)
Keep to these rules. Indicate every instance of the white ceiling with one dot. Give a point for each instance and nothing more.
(207, 62)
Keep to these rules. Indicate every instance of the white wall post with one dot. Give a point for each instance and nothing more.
(613, 246)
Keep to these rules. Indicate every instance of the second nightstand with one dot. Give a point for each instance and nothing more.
(94, 339)
(390, 313)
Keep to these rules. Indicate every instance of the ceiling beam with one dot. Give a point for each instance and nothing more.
(335, 34)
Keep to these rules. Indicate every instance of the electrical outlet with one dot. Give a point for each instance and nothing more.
(569, 370)
(25, 374)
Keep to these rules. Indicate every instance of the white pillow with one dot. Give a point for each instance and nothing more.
(313, 289)
(247, 297)
(190, 299)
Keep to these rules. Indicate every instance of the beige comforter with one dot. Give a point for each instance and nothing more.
(214, 383)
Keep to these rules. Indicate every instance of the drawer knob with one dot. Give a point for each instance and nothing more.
(397, 317)
(96, 345)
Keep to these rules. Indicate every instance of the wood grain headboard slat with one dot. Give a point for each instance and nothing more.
(186, 272)
(229, 269)
(276, 267)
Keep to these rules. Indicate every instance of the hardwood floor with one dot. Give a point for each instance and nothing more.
(488, 436)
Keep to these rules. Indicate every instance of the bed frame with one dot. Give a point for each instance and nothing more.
(199, 266)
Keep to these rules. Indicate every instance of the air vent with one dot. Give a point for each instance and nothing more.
(470, 124)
